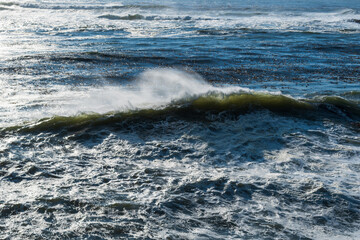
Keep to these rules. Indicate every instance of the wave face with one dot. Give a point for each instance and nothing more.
(164, 93)
(200, 119)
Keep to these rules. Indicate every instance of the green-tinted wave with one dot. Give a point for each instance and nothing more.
(199, 108)
(277, 103)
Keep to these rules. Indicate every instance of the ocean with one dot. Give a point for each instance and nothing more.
(179, 119)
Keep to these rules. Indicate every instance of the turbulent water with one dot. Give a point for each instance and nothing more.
(171, 119)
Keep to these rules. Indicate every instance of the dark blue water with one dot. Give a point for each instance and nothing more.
(179, 119)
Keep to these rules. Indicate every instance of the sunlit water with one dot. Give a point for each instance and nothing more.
(179, 119)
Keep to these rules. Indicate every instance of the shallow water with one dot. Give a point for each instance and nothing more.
(179, 119)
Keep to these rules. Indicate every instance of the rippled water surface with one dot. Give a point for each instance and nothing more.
(179, 119)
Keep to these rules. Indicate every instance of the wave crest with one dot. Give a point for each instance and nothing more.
(161, 93)
(208, 107)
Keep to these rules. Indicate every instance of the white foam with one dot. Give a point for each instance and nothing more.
(152, 89)
(67, 18)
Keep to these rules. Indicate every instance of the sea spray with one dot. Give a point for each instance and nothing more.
(153, 88)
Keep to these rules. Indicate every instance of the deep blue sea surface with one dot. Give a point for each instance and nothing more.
(179, 119)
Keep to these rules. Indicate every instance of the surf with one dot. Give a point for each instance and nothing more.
(158, 94)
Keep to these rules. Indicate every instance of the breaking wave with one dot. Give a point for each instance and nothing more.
(204, 108)
(159, 94)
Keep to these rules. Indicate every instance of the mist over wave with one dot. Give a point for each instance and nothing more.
(152, 89)
(162, 93)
